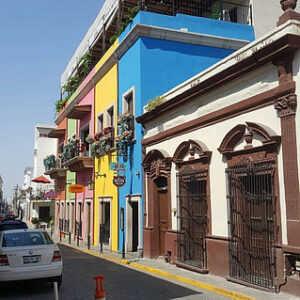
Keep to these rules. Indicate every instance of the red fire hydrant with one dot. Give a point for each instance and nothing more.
(99, 293)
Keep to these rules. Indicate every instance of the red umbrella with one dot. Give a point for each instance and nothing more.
(41, 179)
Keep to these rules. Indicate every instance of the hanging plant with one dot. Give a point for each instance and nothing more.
(124, 122)
(49, 162)
(104, 145)
(122, 142)
(89, 139)
(95, 149)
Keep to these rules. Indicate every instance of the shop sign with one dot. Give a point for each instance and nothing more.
(76, 188)
(117, 166)
(51, 194)
(119, 180)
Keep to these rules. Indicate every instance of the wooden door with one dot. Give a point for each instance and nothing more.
(162, 218)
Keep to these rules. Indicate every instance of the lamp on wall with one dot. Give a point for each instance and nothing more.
(91, 185)
(97, 174)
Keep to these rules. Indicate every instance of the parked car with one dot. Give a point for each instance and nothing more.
(10, 217)
(11, 225)
(27, 254)
(2, 217)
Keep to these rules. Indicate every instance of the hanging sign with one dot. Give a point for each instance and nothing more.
(51, 194)
(116, 166)
(119, 180)
(76, 188)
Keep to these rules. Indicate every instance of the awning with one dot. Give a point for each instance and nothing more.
(41, 179)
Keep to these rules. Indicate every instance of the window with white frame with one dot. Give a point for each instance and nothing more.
(110, 122)
(128, 106)
(100, 122)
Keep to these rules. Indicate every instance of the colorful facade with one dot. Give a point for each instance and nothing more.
(159, 59)
(220, 195)
(153, 54)
(105, 118)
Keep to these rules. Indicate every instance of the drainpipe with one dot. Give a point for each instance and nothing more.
(277, 287)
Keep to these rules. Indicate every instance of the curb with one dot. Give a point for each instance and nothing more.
(202, 285)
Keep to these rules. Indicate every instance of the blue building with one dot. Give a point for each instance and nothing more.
(156, 53)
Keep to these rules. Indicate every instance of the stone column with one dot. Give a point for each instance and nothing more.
(286, 106)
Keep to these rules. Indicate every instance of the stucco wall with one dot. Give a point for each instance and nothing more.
(106, 95)
(212, 135)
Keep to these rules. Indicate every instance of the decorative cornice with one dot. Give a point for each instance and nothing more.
(142, 30)
(286, 105)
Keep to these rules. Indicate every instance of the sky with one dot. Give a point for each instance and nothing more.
(37, 40)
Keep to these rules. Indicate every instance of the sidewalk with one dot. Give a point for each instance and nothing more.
(158, 267)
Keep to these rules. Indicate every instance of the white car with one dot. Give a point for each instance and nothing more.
(29, 254)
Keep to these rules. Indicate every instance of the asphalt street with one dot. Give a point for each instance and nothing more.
(120, 282)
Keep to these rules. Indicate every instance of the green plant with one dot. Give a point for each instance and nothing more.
(126, 19)
(73, 82)
(51, 222)
(124, 121)
(89, 139)
(49, 162)
(152, 103)
(122, 142)
(59, 104)
(35, 221)
(216, 12)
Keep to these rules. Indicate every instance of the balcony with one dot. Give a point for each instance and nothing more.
(39, 195)
(57, 133)
(79, 112)
(76, 156)
(103, 142)
(54, 168)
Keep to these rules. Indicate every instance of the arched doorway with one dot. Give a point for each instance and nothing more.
(158, 238)
(252, 201)
(162, 211)
(192, 160)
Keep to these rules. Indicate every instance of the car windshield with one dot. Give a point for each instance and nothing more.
(25, 238)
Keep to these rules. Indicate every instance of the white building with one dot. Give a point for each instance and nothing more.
(221, 166)
(42, 207)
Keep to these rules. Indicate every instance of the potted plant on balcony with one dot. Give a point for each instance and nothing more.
(89, 139)
(49, 162)
(122, 142)
(104, 145)
(124, 121)
(95, 149)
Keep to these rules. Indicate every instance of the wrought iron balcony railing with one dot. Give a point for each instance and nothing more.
(231, 11)
(75, 148)
(56, 164)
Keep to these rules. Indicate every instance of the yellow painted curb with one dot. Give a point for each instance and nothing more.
(205, 286)
(113, 259)
(199, 284)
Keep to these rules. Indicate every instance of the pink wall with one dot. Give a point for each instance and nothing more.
(88, 99)
(84, 176)
(84, 82)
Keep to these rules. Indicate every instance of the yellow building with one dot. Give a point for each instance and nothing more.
(106, 193)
